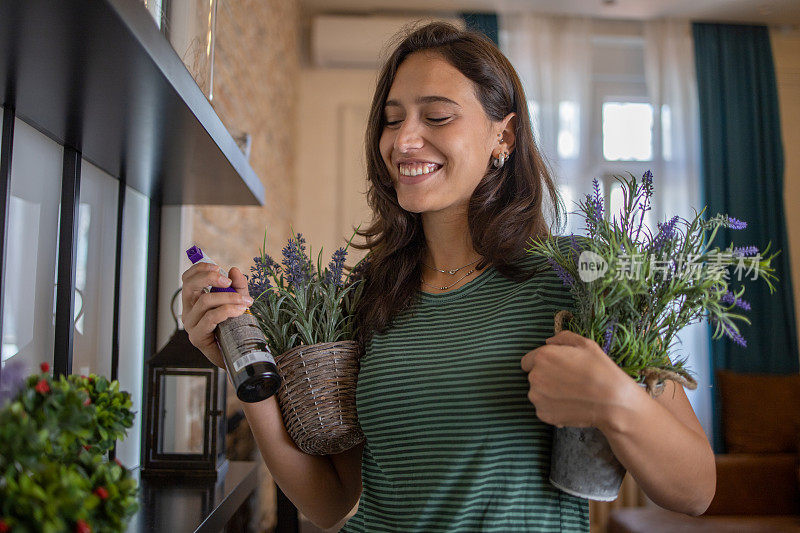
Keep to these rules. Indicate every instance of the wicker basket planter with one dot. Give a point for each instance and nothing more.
(317, 396)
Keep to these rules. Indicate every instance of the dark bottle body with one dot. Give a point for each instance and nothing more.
(247, 357)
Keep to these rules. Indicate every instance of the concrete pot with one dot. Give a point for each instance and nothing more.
(582, 464)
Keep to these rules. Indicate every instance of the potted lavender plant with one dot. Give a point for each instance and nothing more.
(306, 314)
(633, 292)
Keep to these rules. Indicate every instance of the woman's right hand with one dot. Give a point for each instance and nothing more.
(202, 311)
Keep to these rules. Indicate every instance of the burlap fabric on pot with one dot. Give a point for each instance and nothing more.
(318, 396)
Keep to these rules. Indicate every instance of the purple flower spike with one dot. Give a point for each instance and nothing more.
(334, 273)
(609, 335)
(745, 251)
(260, 281)
(295, 262)
(595, 207)
(734, 223)
(735, 337)
(565, 276)
(575, 247)
(730, 299)
(359, 270)
(647, 183)
(598, 199)
(665, 233)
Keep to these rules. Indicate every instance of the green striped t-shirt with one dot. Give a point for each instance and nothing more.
(452, 441)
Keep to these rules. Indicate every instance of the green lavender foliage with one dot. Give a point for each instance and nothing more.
(637, 320)
(54, 434)
(298, 303)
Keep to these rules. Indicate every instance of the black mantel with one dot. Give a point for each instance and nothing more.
(99, 76)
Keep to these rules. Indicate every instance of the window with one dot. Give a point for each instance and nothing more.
(627, 131)
(94, 272)
(568, 130)
(29, 302)
(622, 117)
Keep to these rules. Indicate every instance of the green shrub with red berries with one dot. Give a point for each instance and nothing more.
(54, 476)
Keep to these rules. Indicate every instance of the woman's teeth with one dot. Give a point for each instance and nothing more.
(418, 168)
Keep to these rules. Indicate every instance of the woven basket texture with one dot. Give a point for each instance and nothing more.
(317, 396)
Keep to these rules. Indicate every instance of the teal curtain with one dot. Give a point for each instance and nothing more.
(742, 169)
(485, 23)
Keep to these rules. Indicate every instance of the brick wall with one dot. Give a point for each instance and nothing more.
(256, 68)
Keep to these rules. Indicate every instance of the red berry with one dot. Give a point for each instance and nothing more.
(45, 367)
(4, 528)
(86, 447)
(82, 527)
(101, 492)
(42, 387)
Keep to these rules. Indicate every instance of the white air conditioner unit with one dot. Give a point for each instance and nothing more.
(351, 41)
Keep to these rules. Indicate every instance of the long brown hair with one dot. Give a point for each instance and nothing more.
(504, 211)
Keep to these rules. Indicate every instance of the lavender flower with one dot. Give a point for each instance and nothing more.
(594, 205)
(647, 184)
(733, 223)
(12, 379)
(735, 337)
(730, 299)
(295, 262)
(333, 274)
(565, 276)
(745, 250)
(575, 248)
(598, 200)
(665, 233)
(261, 270)
(612, 325)
(357, 272)
(647, 188)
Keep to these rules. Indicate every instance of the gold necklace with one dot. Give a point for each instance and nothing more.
(448, 286)
(452, 272)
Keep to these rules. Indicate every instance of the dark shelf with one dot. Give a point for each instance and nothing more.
(192, 506)
(99, 76)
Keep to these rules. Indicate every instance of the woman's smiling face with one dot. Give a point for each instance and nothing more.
(437, 139)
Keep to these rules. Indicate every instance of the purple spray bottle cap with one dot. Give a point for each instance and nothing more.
(196, 255)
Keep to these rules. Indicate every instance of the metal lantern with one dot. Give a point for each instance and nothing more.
(185, 422)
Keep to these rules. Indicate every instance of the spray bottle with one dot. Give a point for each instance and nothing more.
(250, 365)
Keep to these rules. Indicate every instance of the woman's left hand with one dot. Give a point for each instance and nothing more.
(574, 383)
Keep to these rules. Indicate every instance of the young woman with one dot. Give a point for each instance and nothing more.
(462, 381)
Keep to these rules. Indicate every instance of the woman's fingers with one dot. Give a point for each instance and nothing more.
(238, 281)
(196, 278)
(203, 311)
(203, 331)
(208, 303)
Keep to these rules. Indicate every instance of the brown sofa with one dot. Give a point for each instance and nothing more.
(758, 480)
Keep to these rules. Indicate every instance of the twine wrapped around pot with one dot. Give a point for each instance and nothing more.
(653, 378)
(317, 396)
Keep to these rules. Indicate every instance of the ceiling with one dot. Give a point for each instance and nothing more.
(780, 12)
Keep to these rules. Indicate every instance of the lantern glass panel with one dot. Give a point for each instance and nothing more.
(183, 411)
